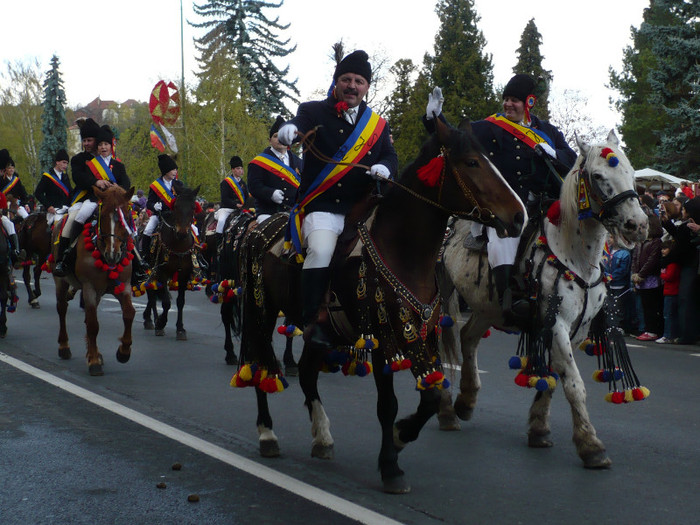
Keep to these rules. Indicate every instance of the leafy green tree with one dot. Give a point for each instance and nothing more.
(459, 64)
(530, 62)
(241, 28)
(53, 117)
(20, 118)
(641, 120)
(674, 80)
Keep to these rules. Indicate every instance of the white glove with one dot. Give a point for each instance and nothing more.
(286, 134)
(549, 150)
(158, 206)
(435, 101)
(379, 172)
(277, 196)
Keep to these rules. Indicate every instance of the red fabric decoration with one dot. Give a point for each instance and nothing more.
(605, 152)
(487, 333)
(522, 380)
(341, 107)
(430, 173)
(554, 213)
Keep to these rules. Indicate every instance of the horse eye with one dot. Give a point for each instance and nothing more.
(597, 176)
(472, 163)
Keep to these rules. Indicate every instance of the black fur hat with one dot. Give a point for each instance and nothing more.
(4, 158)
(90, 128)
(356, 62)
(105, 134)
(166, 164)
(61, 154)
(236, 162)
(277, 125)
(520, 86)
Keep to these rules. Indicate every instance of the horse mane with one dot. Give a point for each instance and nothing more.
(568, 200)
(113, 197)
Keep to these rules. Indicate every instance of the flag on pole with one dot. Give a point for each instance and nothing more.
(170, 138)
(156, 140)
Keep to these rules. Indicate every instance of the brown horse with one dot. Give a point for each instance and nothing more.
(174, 256)
(102, 265)
(6, 291)
(35, 239)
(388, 291)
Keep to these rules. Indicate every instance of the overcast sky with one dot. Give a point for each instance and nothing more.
(119, 50)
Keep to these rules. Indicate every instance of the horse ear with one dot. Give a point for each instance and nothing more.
(465, 125)
(582, 146)
(442, 129)
(130, 193)
(612, 138)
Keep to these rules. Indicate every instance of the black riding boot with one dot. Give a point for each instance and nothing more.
(514, 312)
(139, 268)
(314, 286)
(145, 246)
(64, 248)
(16, 255)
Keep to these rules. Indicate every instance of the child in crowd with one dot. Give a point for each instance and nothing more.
(671, 277)
(621, 299)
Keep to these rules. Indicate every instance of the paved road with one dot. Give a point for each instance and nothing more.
(67, 457)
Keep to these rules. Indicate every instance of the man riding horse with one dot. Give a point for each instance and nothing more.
(329, 191)
(532, 155)
(7, 225)
(54, 188)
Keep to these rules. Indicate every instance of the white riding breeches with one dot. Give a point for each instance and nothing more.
(8, 225)
(86, 211)
(153, 222)
(22, 212)
(500, 250)
(221, 215)
(262, 218)
(320, 231)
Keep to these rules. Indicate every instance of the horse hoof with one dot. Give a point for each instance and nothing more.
(35, 305)
(3, 332)
(397, 485)
(231, 359)
(160, 332)
(462, 409)
(181, 335)
(539, 441)
(96, 370)
(322, 451)
(148, 325)
(269, 448)
(448, 423)
(291, 371)
(122, 357)
(597, 460)
(64, 353)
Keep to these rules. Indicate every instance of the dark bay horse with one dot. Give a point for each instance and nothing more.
(102, 266)
(388, 291)
(173, 261)
(5, 288)
(35, 239)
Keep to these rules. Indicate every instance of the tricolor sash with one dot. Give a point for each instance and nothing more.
(8, 187)
(100, 169)
(277, 167)
(58, 182)
(365, 135)
(530, 136)
(163, 192)
(237, 189)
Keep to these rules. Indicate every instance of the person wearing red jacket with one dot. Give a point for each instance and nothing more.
(671, 277)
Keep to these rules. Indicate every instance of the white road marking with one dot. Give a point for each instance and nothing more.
(695, 355)
(288, 483)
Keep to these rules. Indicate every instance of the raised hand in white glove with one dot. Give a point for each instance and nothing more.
(549, 150)
(435, 101)
(158, 206)
(286, 134)
(277, 196)
(379, 172)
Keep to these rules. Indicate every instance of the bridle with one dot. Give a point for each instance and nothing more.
(606, 207)
(102, 237)
(477, 213)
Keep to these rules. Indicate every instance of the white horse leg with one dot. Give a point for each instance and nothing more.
(538, 422)
(447, 417)
(267, 440)
(590, 449)
(322, 444)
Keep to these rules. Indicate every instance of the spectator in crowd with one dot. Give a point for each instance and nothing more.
(671, 276)
(646, 277)
(620, 300)
(686, 189)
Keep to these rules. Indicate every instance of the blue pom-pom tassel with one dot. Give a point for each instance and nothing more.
(613, 161)
(446, 321)
(514, 363)
(445, 384)
(541, 385)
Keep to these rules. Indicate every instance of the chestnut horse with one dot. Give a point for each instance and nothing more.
(35, 239)
(388, 292)
(174, 250)
(102, 266)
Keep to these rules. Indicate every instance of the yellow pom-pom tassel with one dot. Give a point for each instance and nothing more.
(608, 397)
(245, 373)
(551, 382)
(645, 391)
(360, 343)
(628, 396)
(532, 381)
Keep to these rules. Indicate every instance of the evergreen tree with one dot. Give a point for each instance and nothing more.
(241, 28)
(530, 62)
(674, 80)
(53, 117)
(460, 66)
(641, 120)
(399, 99)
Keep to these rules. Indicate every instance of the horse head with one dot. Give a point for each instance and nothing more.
(468, 184)
(183, 211)
(601, 186)
(113, 230)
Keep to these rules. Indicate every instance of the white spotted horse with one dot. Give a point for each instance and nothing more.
(387, 288)
(561, 259)
(102, 266)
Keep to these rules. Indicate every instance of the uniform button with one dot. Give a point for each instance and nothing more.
(515, 139)
(517, 157)
(369, 153)
(493, 140)
(491, 153)
(517, 146)
(518, 173)
(337, 200)
(340, 131)
(340, 184)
